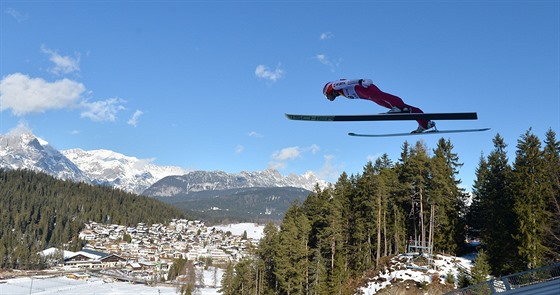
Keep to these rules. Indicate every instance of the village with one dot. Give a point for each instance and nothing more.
(145, 253)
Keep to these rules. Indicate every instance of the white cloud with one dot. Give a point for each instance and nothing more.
(279, 158)
(23, 94)
(62, 64)
(134, 119)
(323, 59)
(264, 72)
(329, 171)
(314, 148)
(285, 154)
(255, 134)
(102, 110)
(239, 149)
(19, 17)
(21, 128)
(325, 36)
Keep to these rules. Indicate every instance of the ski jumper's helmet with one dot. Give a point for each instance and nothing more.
(329, 92)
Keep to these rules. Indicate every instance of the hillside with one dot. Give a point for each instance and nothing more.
(254, 204)
(40, 211)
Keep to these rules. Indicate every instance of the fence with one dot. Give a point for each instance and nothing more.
(513, 282)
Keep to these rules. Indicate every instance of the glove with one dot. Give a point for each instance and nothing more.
(365, 82)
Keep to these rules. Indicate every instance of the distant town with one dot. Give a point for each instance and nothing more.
(144, 253)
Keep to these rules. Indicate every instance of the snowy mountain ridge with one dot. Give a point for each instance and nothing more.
(21, 149)
(127, 173)
(197, 181)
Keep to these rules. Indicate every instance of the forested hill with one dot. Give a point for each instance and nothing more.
(39, 211)
(340, 235)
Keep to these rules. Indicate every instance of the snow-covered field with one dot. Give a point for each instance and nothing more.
(62, 285)
(254, 231)
(66, 286)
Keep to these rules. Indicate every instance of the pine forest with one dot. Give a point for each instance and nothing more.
(331, 240)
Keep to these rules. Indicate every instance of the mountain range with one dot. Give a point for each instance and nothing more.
(20, 149)
(197, 181)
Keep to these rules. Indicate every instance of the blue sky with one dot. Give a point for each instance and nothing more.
(205, 84)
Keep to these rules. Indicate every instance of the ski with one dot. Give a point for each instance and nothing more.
(421, 133)
(385, 117)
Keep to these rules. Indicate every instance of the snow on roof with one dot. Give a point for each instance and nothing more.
(92, 253)
(53, 250)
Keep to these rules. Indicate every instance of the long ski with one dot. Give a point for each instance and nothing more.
(420, 133)
(385, 117)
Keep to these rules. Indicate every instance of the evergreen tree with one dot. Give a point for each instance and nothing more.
(419, 165)
(530, 190)
(481, 269)
(364, 206)
(393, 226)
(325, 241)
(244, 279)
(445, 199)
(463, 280)
(292, 252)
(342, 196)
(227, 281)
(266, 254)
(498, 218)
(406, 192)
(475, 214)
(551, 155)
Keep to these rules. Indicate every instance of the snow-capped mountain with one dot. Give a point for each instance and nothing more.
(127, 173)
(196, 181)
(20, 149)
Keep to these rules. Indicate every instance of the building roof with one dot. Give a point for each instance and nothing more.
(93, 254)
(53, 250)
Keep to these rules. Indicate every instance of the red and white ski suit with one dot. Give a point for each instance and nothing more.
(365, 89)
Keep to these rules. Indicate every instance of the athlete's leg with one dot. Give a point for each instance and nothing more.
(388, 100)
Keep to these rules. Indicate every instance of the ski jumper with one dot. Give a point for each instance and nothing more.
(365, 89)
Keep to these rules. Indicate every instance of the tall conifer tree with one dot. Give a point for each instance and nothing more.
(420, 167)
(499, 220)
(475, 214)
(551, 154)
(365, 217)
(266, 253)
(530, 189)
(292, 252)
(445, 198)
